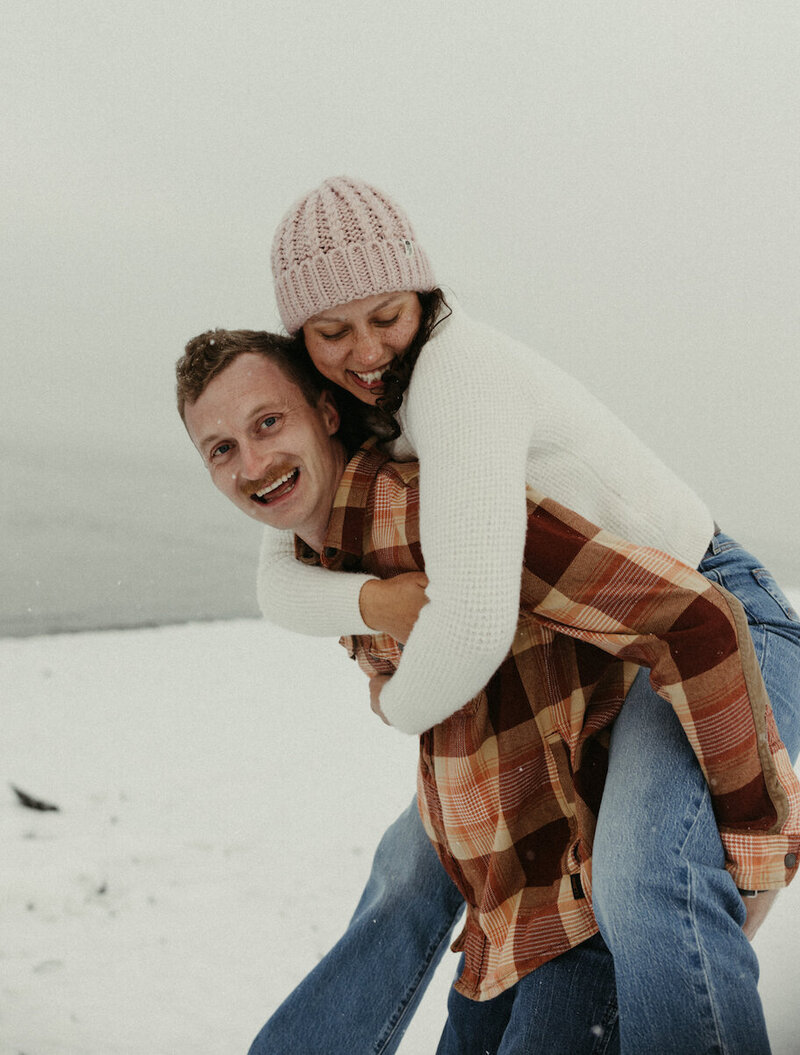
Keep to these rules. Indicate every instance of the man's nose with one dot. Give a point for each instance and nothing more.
(254, 460)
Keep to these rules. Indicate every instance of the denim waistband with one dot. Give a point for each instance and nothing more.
(718, 543)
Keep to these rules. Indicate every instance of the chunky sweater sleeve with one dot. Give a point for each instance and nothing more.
(304, 598)
(467, 417)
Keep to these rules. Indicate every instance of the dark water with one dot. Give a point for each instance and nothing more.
(90, 541)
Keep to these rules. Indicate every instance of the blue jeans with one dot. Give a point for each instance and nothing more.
(667, 908)
(360, 998)
(567, 1006)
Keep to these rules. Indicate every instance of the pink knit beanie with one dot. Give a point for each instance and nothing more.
(343, 241)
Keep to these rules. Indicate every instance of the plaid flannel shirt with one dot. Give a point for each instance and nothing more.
(509, 787)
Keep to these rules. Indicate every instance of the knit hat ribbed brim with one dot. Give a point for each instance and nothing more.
(343, 241)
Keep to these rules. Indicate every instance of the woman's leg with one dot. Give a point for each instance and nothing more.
(565, 1007)
(774, 627)
(666, 906)
(668, 909)
(361, 997)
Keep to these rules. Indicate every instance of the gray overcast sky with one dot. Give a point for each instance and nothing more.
(612, 181)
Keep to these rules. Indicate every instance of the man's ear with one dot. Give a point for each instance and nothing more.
(330, 412)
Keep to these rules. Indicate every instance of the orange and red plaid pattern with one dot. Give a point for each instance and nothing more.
(509, 787)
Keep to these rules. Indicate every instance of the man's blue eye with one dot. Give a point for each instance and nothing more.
(223, 448)
(268, 422)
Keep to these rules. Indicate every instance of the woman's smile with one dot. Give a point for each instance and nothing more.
(354, 344)
(371, 382)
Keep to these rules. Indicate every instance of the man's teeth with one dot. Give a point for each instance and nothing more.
(275, 484)
(371, 377)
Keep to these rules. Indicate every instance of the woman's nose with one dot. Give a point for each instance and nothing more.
(367, 349)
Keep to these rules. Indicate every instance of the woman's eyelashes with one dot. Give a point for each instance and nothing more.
(387, 322)
(380, 323)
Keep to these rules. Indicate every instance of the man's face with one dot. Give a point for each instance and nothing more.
(266, 448)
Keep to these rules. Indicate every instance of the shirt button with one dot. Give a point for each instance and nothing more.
(330, 551)
(790, 860)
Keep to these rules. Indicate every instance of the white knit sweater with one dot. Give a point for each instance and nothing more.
(484, 415)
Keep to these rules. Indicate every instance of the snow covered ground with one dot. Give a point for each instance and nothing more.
(202, 773)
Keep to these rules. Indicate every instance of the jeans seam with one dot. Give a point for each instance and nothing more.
(607, 1024)
(396, 1020)
(765, 581)
(698, 945)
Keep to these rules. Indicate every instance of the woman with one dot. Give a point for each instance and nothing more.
(484, 415)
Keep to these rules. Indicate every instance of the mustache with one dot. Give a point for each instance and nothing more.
(247, 488)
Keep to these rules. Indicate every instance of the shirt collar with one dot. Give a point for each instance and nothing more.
(344, 537)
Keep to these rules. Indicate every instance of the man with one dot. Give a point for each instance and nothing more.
(521, 851)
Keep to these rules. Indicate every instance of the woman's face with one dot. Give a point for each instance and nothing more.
(353, 344)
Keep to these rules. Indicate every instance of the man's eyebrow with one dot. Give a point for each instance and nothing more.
(203, 443)
(378, 307)
(211, 438)
(214, 437)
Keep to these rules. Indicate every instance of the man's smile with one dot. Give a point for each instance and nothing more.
(278, 488)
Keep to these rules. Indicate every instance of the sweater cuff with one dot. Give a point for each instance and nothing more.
(327, 609)
(341, 602)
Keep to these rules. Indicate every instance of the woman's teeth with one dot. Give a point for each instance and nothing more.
(371, 377)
